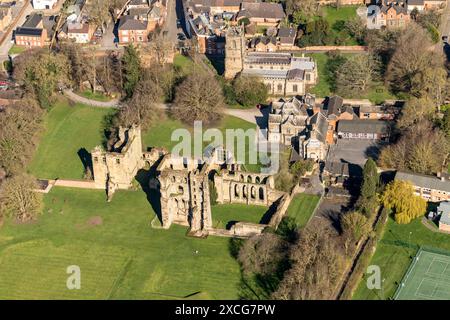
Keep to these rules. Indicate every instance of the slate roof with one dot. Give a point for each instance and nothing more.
(321, 124)
(266, 10)
(337, 168)
(129, 23)
(424, 181)
(33, 21)
(363, 126)
(287, 35)
(21, 31)
(334, 105)
(220, 3)
(445, 216)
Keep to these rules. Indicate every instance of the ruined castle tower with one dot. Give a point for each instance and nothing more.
(117, 168)
(234, 52)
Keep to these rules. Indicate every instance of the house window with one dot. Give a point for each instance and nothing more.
(308, 77)
(118, 161)
(294, 88)
(280, 87)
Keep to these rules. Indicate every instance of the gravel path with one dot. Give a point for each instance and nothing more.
(94, 103)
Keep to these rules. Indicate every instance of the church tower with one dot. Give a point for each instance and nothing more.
(234, 52)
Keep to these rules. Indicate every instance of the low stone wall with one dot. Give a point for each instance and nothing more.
(282, 207)
(83, 184)
(239, 230)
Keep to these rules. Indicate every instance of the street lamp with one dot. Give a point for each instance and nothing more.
(409, 241)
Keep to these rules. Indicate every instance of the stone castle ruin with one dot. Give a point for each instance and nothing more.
(184, 184)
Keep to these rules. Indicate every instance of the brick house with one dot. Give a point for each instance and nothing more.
(390, 15)
(32, 33)
(131, 30)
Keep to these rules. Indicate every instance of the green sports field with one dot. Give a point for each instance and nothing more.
(428, 277)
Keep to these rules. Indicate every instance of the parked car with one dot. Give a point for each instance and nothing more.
(181, 36)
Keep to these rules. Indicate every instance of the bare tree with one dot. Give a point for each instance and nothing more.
(316, 267)
(198, 97)
(18, 198)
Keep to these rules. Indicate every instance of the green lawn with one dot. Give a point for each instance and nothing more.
(98, 96)
(78, 129)
(225, 213)
(183, 63)
(394, 252)
(336, 17)
(16, 50)
(69, 130)
(302, 207)
(160, 135)
(120, 256)
(377, 93)
(344, 13)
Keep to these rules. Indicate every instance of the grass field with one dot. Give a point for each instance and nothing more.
(427, 278)
(394, 255)
(302, 207)
(69, 130)
(336, 18)
(225, 213)
(120, 256)
(16, 50)
(377, 93)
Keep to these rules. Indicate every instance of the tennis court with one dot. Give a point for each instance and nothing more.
(428, 278)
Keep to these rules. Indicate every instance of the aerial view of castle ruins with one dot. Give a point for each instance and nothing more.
(226, 150)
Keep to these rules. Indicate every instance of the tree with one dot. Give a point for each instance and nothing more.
(412, 58)
(316, 267)
(250, 91)
(302, 10)
(356, 28)
(399, 196)
(198, 97)
(415, 110)
(367, 201)
(354, 225)
(98, 12)
(142, 107)
(131, 70)
(262, 254)
(300, 167)
(284, 179)
(18, 198)
(43, 73)
(355, 76)
(20, 126)
(421, 149)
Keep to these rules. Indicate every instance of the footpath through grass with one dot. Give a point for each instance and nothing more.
(97, 96)
(301, 208)
(394, 254)
(120, 255)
